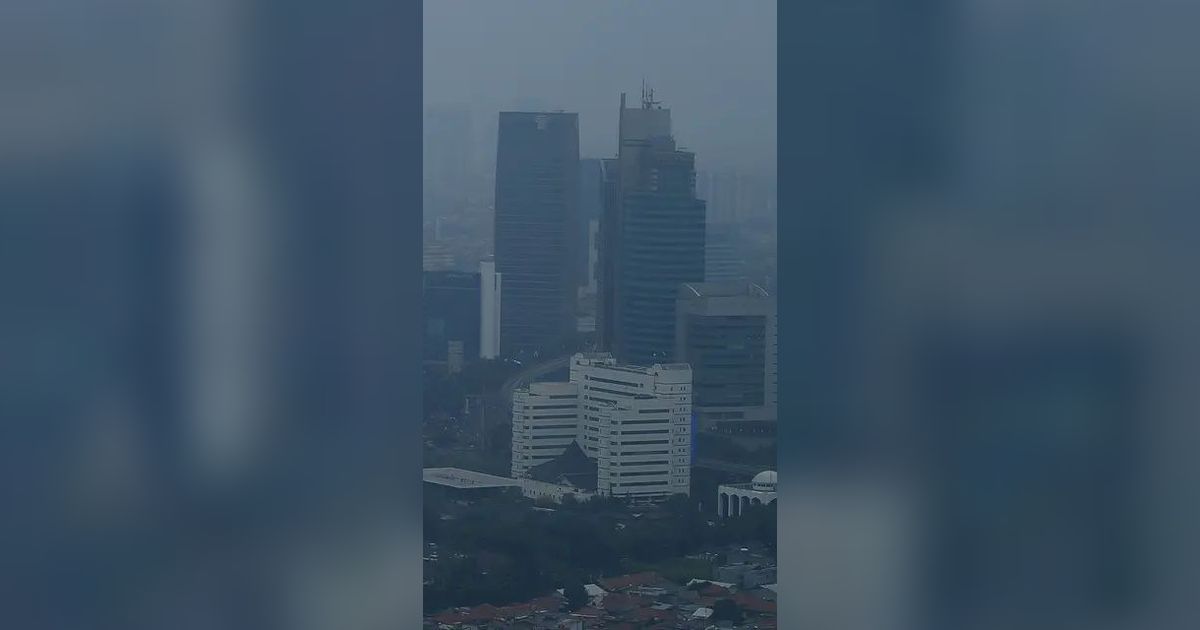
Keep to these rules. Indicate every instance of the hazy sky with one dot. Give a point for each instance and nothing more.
(712, 62)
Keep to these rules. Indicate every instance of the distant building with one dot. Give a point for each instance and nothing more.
(629, 427)
(436, 256)
(451, 303)
(652, 236)
(592, 283)
(722, 260)
(537, 234)
(735, 498)
(490, 290)
(747, 575)
(447, 147)
(727, 332)
(591, 210)
(455, 356)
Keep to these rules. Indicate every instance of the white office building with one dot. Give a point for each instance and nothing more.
(633, 423)
(545, 422)
(489, 314)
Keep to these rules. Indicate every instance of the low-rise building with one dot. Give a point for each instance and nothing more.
(735, 498)
(622, 602)
(471, 484)
(746, 575)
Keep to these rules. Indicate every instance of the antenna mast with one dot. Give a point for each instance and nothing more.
(648, 101)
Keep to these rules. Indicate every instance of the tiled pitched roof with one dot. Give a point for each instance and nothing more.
(626, 581)
(754, 603)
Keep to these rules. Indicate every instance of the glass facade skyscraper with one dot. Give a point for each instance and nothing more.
(653, 237)
(536, 230)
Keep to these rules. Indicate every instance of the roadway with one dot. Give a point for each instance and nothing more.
(531, 373)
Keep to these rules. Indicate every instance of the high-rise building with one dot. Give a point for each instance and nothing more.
(631, 424)
(591, 209)
(722, 259)
(537, 237)
(652, 236)
(436, 256)
(727, 332)
(489, 314)
(452, 315)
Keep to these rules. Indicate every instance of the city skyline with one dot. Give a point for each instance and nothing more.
(549, 59)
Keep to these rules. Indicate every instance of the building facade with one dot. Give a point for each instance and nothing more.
(537, 236)
(633, 423)
(723, 261)
(727, 332)
(653, 236)
(451, 304)
(591, 209)
(545, 422)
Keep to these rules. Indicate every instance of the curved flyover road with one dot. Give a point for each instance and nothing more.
(529, 374)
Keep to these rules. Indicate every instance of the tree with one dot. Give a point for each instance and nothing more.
(680, 505)
(727, 610)
(576, 595)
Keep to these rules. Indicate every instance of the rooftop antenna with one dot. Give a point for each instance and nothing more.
(648, 101)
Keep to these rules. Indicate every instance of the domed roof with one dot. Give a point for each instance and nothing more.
(765, 480)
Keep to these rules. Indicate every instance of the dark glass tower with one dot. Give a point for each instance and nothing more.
(452, 312)
(537, 234)
(653, 237)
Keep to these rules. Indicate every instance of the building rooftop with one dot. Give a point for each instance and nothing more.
(626, 581)
(605, 360)
(731, 288)
(668, 610)
(464, 479)
(573, 465)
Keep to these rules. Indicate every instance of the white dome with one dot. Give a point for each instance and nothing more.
(765, 481)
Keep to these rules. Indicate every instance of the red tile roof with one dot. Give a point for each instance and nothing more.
(754, 603)
(588, 611)
(483, 612)
(650, 614)
(488, 612)
(621, 602)
(714, 590)
(626, 581)
(547, 602)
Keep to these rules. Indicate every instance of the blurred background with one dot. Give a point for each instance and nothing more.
(209, 244)
(990, 341)
(209, 342)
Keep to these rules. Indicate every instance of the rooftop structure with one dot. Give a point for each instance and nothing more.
(463, 479)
